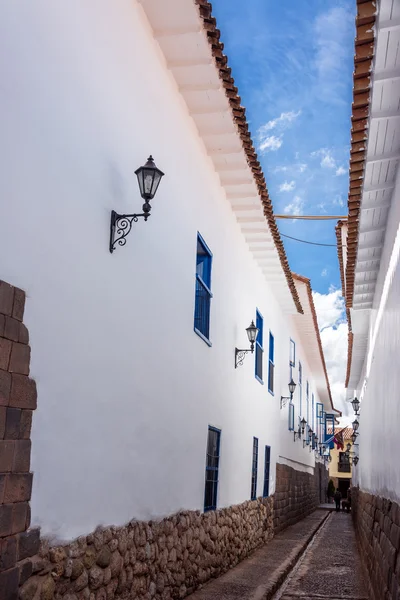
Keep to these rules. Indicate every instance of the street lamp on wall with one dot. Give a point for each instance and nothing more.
(149, 177)
(354, 437)
(297, 434)
(355, 424)
(292, 387)
(252, 332)
(355, 460)
(356, 405)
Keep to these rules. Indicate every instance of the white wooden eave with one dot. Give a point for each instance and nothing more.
(383, 156)
(178, 30)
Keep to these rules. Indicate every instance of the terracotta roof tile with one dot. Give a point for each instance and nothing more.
(239, 117)
(364, 52)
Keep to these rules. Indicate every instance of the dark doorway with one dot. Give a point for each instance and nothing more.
(343, 486)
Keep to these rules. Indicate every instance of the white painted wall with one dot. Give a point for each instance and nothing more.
(126, 388)
(378, 470)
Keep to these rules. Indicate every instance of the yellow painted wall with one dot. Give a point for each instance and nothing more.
(333, 465)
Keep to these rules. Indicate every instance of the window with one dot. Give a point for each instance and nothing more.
(291, 416)
(203, 290)
(300, 388)
(212, 465)
(266, 470)
(308, 410)
(254, 469)
(271, 365)
(292, 353)
(312, 412)
(259, 347)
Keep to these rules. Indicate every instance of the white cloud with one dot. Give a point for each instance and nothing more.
(295, 207)
(333, 330)
(271, 142)
(280, 169)
(324, 272)
(287, 186)
(281, 122)
(274, 142)
(327, 160)
(340, 171)
(338, 200)
(302, 167)
(333, 41)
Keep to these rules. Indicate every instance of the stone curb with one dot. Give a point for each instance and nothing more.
(288, 566)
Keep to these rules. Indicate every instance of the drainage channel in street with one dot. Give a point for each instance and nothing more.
(278, 595)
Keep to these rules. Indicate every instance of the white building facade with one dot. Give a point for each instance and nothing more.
(369, 251)
(133, 352)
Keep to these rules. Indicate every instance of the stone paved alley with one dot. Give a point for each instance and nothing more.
(313, 559)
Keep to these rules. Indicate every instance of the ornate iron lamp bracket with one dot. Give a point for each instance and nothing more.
(239, 356)
(121, 226)
(284, 400)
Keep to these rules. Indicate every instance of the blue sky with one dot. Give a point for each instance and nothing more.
(292, 62)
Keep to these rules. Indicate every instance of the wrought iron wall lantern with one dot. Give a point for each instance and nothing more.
(149, 177)
(300, 431)
(292, 387)
(355, 460)
(356, 405)
(306, 442)
(355, 425)
(252, 332)
(354, 437)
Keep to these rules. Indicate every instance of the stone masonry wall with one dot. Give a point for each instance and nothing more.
(377, 522)
(161, 560)
(297, 494)
(17, 401)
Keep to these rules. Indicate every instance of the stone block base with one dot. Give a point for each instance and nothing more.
(163, 560)
(377, 522)
(297, 494)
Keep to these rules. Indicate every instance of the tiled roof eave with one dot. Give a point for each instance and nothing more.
(239, 118)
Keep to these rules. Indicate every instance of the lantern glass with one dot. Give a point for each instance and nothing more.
(292, 386)
(149, 177)
(252, 332)
(355, 425)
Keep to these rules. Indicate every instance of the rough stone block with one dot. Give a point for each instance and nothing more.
(20, 358)
(19, 304)
(25, 570)
(18, 487)
(5, 387)
(13, 422)
(11, 329)
(22, 456)
(3, 417)
(23, 392)
(5, 519)
(6, 298)
(395, 536)
(25, 425)
(6, 455)
(28, 543)
(2, 324)
(2, 487)
(5, 352)
(8, 553)
(23, 335)
(9, 581)
(19, 515)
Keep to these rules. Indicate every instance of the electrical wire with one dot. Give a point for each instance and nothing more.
(313, 217)
(307, 242)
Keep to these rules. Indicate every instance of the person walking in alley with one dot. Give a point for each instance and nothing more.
(337, 497)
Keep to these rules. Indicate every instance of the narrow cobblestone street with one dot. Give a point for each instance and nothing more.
(315, 558)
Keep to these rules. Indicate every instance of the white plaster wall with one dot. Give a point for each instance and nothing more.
(126, 388)
(378, 470)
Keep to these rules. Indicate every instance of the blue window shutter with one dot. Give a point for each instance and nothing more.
(203, 289)
(271, 364)
(267, 462)
(259, 347)
(300, 389)
(254, 469)
(291, 416)
(212, 468)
